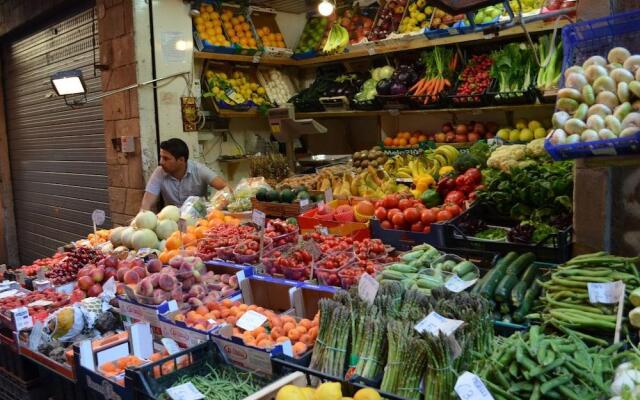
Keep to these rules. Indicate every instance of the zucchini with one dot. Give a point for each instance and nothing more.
(412, 255)
(497, 273)
(398, 267)
(518, 291)
(503, 290)
(527, 303)
(469, 276)
(393, 275)
(429, 282)
(463, 268)
(521, 263)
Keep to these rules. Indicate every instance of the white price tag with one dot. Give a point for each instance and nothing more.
(435, 323)
(98, 217)
(8, 293)
(40, 303)
(457, 285)
(182, 225)
(170, 345)
(251, 320)
(320, 203)
(371, 51)
(22, 318)
(258, 218)
(186, 391)
(606, 293)
(256, 58)
(328, 195)
(368, 288)
(394, 112)
(323, 230)
(35, 337)
(304, 202)
(470, 387)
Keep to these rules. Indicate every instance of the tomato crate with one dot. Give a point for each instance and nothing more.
(473, 100)
(554, 248)
(405, 240)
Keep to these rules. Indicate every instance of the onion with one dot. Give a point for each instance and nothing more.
(618, 55)
(116, 235)
(165, 228)
(169, 212)
(145, 220)
(144, 238)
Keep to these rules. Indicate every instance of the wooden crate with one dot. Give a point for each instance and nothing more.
(266, 17)
(284, 210)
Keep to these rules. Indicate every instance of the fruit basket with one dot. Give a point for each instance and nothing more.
(312, 38)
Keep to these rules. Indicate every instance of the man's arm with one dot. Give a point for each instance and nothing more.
(218, 183)
(152, 190)
(149, 200)
(211, 178)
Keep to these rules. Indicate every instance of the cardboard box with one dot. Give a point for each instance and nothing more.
(266, 17)
(272, 293)
(144, 312)
(306, 297)
(308, 223)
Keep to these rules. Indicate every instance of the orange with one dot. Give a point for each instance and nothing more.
(209, 8)
(189, 239)
(240, 18)
(388, 141)
(413, 140)
(234, 21)
(402, 142)
(293, 335)
(299, 348)
(173, 243)
(200, 232)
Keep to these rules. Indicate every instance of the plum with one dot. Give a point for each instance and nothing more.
(145, 287)
(166, 282)
(131, 277)
(154, 265)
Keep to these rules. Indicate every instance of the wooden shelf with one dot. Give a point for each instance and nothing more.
(383, 47)
(361, 114)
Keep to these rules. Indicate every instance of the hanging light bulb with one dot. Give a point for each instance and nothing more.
(325, 8)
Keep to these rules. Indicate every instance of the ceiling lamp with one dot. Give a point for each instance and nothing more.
(325, 8)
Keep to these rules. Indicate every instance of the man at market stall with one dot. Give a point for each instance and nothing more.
(177, 177)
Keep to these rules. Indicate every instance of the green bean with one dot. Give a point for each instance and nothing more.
(555, 382)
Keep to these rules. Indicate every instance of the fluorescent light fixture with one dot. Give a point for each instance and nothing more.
(68, 82)
(325, 8)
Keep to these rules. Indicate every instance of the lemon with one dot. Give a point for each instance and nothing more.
(366, 394)
(347, 398)
(526, 135)
(504, 134)
(539, 133)
(533, 125)
(290, 392)
(328, 391)
(309, 393)
(521, 123)
(514, 136)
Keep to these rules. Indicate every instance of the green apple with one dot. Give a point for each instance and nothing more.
(504, 133)
(533, 125)
(526, 135)
(514, 135)
(521, 123)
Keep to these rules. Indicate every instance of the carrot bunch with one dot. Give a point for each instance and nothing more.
(440, 63)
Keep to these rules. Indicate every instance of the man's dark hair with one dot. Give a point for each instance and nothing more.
(176, 147)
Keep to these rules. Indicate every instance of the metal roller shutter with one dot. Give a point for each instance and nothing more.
(57, 152)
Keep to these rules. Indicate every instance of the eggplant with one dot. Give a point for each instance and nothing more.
(397, 89)
(383, 87)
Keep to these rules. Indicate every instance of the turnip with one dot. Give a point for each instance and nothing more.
(606, 134)
(576, 81)
(570, 93)
(621, 75)
(604, 83)
(574, 69)
(595, 122)
(623, 91)
(574, 126)
(594, 60)
(613, 124)
(145, 220)
(634, 87)
(165, 228)
(567, 105)
(559, 119)
(631, 121)
(599, 109)
(587, 95)
(632, 63)
(589, 135)
(116, 235)
(622, 110)
(558, 136)
(607, 98)
(629, 131)
(581, 112)
(169, 212)
(618, 55)
(573, 139)
(595, 71)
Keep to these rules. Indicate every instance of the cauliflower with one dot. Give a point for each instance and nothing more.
(535, 148)
(505, 157)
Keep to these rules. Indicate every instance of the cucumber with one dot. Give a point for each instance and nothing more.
(521, 263)
(518, 291)
(428, 282)
(393, 275)
(449, 265)
(527, 303)
(412, 255)
(464, 268)
(497, 272)
(481, 282)
(469, 276)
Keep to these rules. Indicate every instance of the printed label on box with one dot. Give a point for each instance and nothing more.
(368, 288)
(605, 293)
(186, 391)
(435, 323)
(470, 387)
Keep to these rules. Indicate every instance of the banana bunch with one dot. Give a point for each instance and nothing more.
(440, 157)
(341, 186)
(337, 40)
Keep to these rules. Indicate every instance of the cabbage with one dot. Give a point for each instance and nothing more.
(145, 220)
(386, 72)
(144, 238)
(165, 228)
(169, 212)
(375, 74)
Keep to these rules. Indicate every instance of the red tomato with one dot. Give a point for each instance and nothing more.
(417, 227)
(427, 217)
(381, 213)
(474, 174)
(427, 229)
(378, 203)
(455, 196)
(404, 204)
(393, 212)
(411, 215)
(398, 219)
(454, 209)
(390, 202)
(419, 206)
(435, 210)
(386, 225)
(444, 216)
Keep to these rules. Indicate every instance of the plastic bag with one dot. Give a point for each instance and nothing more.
(193, 209)
(222, 197)
(248, 187)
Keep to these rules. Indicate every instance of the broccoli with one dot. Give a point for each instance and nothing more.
(466, 161)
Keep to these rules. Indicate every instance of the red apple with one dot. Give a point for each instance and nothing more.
(85, 282)
(94, 290)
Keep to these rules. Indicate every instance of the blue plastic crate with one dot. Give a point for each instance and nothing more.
(581, 41)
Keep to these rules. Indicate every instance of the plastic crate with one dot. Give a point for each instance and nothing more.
(581, 41)
(475, 100)
(405, 240)
(13, 388)
(369, 105)
(149, 381)
(527, 96)
(554, 248)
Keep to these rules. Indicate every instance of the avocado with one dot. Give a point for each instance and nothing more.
(303, 195)
(287, 196)
(273, 196)
(261, 194)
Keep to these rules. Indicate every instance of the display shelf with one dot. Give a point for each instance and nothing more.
(385, 46)
(356, 114)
